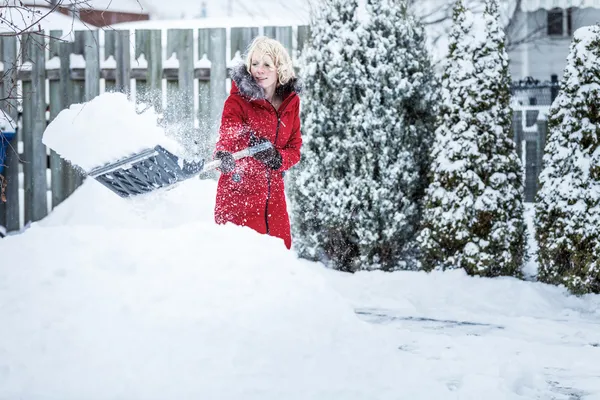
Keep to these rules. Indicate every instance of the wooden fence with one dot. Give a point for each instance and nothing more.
(182, 67)
(182, 72)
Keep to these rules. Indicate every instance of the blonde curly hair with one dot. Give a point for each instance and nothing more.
(263, 45)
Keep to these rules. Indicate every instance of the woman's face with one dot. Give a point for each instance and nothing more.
(263, 71)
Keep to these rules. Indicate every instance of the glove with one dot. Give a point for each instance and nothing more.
(270, 157)
(227, 161)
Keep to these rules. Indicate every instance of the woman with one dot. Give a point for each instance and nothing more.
(263, 105)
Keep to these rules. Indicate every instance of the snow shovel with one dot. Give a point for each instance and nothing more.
(157, 168)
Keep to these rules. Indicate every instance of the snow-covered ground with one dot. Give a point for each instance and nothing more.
(147, 298)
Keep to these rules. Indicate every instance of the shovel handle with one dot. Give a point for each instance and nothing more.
(248, 152)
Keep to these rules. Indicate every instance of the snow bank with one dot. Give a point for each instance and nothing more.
(104, 129)
(189, 311)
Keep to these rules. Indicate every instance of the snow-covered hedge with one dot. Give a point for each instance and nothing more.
(369, 118)
(474, 205)
(568, 202)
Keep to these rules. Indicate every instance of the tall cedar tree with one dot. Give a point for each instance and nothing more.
(397, 131)
(474, 211)
(568, 202)
(322, 192)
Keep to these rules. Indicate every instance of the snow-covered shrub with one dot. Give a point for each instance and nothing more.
(397, 128)
(568, 202)
(368, 112)
(322, 188)
(474, 205)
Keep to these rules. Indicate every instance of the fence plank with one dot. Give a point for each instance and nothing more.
(79, 43)
(204, 95)
(154, 77)
(218, 75)
(172, 44)
(142, 43)
(76, 178)
(172, 66)
(270, 31)
(302, 39)
(54, 41)
(203, 42)
(11, 214)
(56, 105)
(123, 62)
(186, 74)
(110, 43)
(39, 163)
(284, 35)
(56, 163)
(66, 89)
(241, 38)
(92, 65)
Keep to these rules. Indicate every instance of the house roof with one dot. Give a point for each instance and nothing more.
(188, 9)
(533, 5)
(35, 18)
(129, 6)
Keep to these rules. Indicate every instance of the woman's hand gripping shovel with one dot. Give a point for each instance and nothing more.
(157, 168)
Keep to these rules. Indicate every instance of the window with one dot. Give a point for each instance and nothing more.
(560, 22)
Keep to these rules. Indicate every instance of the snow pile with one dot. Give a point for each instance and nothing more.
(191, 310)
(104, 129)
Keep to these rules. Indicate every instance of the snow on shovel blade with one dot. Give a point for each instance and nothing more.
(156, 168)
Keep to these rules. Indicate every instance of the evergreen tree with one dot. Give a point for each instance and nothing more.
(568, 202)
(474, 211)
(397, 130)
(322, 192)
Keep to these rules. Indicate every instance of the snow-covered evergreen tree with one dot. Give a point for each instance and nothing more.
(568, 202)
(397, 128)
(322, 190)
(369, 113)
(474, 212)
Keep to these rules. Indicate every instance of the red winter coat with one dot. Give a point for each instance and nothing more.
(253, 194)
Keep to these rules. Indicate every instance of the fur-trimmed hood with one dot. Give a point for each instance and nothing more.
(249, 88)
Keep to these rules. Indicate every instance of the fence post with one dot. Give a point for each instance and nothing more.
(39, 161)
(11, 213)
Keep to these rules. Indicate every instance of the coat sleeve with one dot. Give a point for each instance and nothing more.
(290, 153)
(232, 137)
